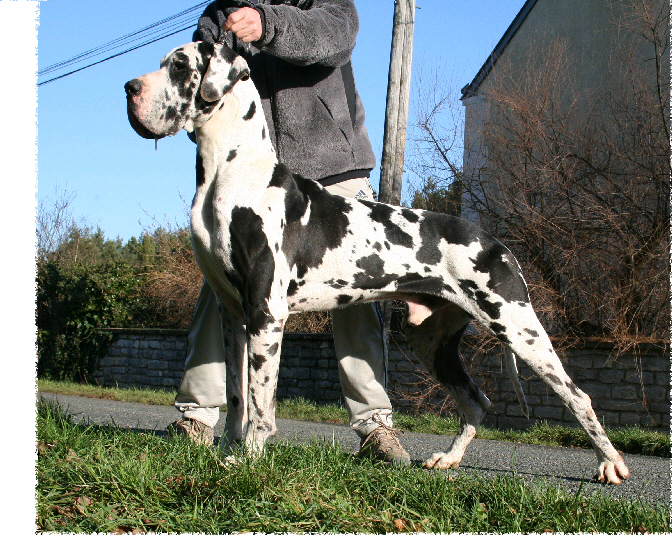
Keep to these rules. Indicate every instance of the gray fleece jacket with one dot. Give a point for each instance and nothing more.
(301, 68)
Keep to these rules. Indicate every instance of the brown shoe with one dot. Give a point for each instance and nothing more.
(382, 444)
(196, 431)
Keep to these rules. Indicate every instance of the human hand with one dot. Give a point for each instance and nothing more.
(245, 23)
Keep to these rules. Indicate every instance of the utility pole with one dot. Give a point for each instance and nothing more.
(398, 93)
(396, 115)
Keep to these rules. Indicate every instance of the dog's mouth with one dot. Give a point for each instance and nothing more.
(140, 128)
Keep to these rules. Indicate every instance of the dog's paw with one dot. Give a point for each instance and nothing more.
(612, 472)
(442, 461)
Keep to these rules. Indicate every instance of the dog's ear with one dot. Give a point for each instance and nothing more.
(225, 69)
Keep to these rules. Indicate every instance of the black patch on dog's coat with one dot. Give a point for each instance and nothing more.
(343, 299)
(553, 378)
(381, 213)
(200, 170)
(250, 112)
(232, 154)
(453, 230)
(448, 366)
(417, 283)
(471, 289)
(372, 275)
(410, 216)
(292, 288)
(257, 361)
(496, 260)
(305, 247)
(251, 254)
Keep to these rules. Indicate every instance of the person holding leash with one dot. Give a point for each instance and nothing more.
(299, 53)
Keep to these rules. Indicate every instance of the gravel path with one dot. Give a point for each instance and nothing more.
(650, 476)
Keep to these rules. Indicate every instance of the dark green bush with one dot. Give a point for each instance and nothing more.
(73, 303)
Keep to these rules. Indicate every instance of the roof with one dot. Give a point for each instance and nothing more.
(470, 89)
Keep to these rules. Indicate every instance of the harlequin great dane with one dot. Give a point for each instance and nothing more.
(271, 243)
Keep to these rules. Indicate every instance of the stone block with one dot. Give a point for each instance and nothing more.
(585, 375)
(607, 418)
(302, 373)
(597, 390)
(633, 377)
(624, 362)
(650, 420)
(602, 362)
(319, 375)
(657, 393)
(662, 379)
(583, 363)
(660, 407)
(624, 392)
(539, 388)
(498, 408)
(659, 363)
(514, 410)
(618, 405)
(612, 376)
(546, 413)
(630, 418)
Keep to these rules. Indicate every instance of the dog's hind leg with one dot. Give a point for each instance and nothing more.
(435, 343)
(532, 345)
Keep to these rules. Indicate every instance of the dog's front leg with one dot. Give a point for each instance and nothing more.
(235, 339)
(263, 366)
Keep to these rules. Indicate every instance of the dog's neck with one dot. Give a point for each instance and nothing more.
(234, 150)
(231, 158)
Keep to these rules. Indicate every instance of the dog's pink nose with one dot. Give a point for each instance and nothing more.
(133, 87)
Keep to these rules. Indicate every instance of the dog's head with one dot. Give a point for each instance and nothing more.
(185, 92)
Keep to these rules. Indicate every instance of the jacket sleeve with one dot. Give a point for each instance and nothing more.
(324, 33)
(306, 32)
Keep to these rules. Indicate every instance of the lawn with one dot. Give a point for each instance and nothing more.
(105, 479)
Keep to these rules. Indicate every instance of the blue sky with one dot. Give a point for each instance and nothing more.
(87, 148)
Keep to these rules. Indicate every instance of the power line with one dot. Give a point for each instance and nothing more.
(149, 34)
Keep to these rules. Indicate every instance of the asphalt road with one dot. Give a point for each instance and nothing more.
(649, 480)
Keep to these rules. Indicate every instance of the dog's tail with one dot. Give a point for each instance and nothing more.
(512, 368)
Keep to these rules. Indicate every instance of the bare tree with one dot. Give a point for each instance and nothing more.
(53, 222)
(577, 182)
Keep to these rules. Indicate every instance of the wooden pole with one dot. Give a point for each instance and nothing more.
(396, 114)
(398, 94)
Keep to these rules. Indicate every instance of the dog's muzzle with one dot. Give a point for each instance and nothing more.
(133, 90)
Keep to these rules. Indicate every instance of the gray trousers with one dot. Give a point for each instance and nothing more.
(359, 341)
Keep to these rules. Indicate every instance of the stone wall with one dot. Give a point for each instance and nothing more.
(628, 389)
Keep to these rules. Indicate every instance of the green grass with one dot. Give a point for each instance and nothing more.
(631, 439)
(105, 479)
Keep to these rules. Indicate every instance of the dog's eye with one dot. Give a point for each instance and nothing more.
(180, 65)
